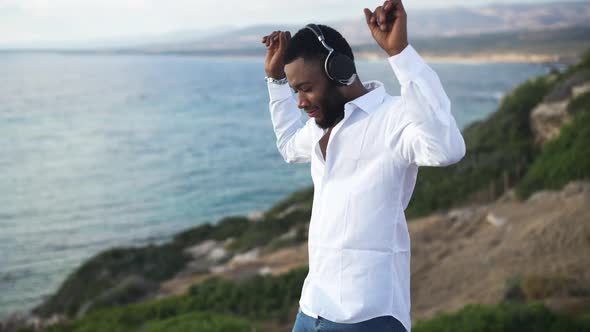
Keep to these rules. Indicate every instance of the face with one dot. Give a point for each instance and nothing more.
(318, 96)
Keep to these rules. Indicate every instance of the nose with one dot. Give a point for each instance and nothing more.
(303, 101)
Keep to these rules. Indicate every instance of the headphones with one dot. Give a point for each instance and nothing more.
(338, 67)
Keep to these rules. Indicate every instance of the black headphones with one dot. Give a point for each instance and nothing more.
(338, 67)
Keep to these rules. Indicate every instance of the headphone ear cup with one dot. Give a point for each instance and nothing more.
(340, 67)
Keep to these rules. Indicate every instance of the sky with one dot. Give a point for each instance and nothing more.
(38, 21)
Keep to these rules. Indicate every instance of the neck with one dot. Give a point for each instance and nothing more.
(349, 93)
(353, 91)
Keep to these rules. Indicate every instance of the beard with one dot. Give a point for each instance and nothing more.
(332, 107)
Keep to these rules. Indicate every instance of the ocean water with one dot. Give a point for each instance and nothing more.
(99, 151)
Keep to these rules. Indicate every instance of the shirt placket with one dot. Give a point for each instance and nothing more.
(325, 164)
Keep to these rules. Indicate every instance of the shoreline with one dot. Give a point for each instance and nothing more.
(479, 58)
(469, 58)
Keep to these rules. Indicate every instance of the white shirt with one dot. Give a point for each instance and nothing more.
(359, 245)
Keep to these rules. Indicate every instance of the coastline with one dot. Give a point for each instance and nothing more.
(479, 58)
(464, 58)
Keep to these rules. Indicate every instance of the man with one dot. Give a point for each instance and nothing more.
(365, 148)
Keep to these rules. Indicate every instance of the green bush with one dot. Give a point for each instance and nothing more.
(207, 304)
(225, 228)
(265, 231)
(580, 104)
(199, 322)
(107, 270)
(194, 321)
(562, 160)
(303, 197)
(505, 317)
(260, 297)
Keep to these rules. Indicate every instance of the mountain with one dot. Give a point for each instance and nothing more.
(447, 22)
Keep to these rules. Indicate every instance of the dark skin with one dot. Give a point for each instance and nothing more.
(388, 26)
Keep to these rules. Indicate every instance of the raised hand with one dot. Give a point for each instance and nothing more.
(276, 43)
(388, 25)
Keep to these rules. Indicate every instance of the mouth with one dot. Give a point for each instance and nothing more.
(312, 113)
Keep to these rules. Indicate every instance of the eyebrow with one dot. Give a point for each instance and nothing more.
(300, 84)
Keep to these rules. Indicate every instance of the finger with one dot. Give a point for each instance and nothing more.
(388, 13)
(277, 38)
(370, 18)
(395, 6)
(284, 41)
(271, 38)
(387, 5)
(388, 9)
(368, 15)
(281, 40)
(380, 16)
(266, 40)
(274, 41)
(393, 9)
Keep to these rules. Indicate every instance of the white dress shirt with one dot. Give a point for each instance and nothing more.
(359, 245)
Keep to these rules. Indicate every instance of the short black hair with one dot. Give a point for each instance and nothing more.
(304, 44)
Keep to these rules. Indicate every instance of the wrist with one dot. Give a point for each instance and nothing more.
(276, 75)
(396, 50)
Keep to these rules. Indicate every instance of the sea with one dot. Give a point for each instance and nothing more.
(99, 150)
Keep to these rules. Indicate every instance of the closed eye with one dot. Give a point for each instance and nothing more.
(306, 91)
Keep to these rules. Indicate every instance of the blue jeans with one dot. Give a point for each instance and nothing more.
(304, 323)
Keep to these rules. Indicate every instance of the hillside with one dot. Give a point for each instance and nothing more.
(507, 251)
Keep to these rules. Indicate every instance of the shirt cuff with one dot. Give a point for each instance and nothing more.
(279, 91)
(406, 64)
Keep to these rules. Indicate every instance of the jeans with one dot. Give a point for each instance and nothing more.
(304, 323)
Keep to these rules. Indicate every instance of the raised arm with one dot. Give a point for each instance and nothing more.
(424, 131)
(294, 139)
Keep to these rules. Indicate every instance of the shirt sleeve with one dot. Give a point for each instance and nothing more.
(425, 132)
(294, 138)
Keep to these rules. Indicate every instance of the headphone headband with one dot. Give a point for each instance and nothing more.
(318, 32)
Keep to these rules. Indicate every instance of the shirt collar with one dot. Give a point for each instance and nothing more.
(370, 100)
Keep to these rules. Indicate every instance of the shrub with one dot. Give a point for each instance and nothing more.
(505, 317)
(562, 160)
